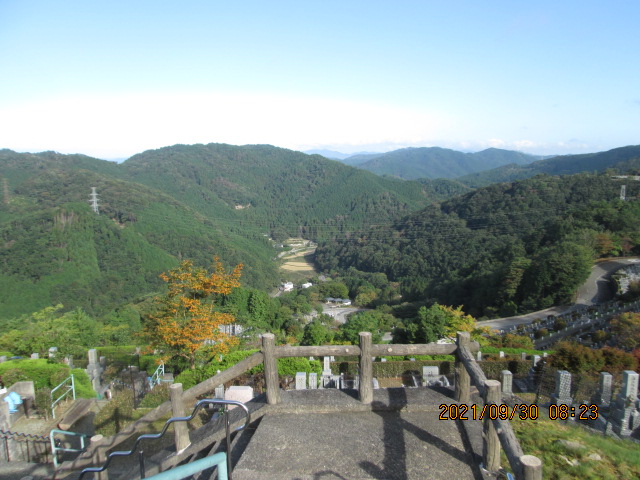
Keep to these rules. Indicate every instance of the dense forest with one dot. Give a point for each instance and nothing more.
(162, 206)
(494, 250)
(502, 249)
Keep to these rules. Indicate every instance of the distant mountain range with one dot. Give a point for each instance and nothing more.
(488, 166)
(197, 201)
(431, 162)
(622, 159)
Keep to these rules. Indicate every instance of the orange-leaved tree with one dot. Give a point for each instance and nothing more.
(186, 321)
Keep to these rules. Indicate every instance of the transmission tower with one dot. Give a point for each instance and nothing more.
(623, 193)
(94, 200)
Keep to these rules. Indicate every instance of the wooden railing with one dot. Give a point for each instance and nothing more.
(496, 433)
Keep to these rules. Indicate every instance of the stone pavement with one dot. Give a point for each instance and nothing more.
(328, 434)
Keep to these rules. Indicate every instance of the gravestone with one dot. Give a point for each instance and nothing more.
(562, 395)
(534, 361)
(430, 375)
(523, 356)
(219, 392)
(506, 379)
(501, 354)
(479, 356)
(3, 358)
(383, 359)
(240, 394)
(326, 366)
(313, 380)
(53, 351)
(35, 356)
(604, 390)
(623, 415)
(301, 381)
(376, 384)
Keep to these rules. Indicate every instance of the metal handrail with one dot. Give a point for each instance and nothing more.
(70, 388)
(155, 436)
(55, 448)
(33, 436)
(156, 378)
(184, 471)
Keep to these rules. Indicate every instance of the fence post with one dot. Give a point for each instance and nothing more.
(99, 457)
(180, 429)
(531, 467)
(270, 368)
(463, 380)
(491, 442)
(366, 368)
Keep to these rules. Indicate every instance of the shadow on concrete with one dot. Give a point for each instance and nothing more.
(395, 427)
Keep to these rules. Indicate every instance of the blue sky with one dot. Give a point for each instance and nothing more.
(114, 78)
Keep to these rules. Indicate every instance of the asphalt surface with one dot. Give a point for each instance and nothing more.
(595, 290)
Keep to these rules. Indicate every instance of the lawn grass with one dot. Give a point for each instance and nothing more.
(620, 459)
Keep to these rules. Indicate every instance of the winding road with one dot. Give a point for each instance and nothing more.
(596, 289)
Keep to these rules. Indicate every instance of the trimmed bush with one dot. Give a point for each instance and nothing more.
(116, 415)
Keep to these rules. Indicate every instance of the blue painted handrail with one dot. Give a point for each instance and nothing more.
(155, 436)
(184, 471)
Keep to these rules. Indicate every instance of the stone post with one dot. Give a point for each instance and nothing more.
(463, 380)
(180, 429)
(506, 378)
(99, 457)
(531, 467)
(270, 368)
(491, 443)
(366, 369)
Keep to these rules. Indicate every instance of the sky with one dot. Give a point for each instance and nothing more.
(114, 78)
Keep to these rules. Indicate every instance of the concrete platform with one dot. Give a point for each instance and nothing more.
(326, 435)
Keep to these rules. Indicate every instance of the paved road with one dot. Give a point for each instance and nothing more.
(340, 314)
(596, 289)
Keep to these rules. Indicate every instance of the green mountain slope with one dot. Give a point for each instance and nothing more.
(500, 249)
(623, 159)
(165, 205)
(273, 189)
(435, 162)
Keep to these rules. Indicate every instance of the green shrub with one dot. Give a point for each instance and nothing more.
(291, 365)
(40, 371)
(188, 378)
(116, 415)
(82, 382)
(43, 402)
(156, 397)
(13, 375)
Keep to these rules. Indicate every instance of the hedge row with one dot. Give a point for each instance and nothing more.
(45, 375)
(492, 369)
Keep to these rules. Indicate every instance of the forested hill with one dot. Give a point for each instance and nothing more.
(435, 162)
(622, 159)
(279, 190)
(500, 249)
(165, 205)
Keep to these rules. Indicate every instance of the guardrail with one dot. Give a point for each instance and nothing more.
(156, 378)
(55, 448)
(496, 432)
(365, 350)
(9, 435)
(155, 436)
(70, 388)
(184, 471)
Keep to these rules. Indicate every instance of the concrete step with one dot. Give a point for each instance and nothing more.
(79, 409)
(358, 445)
(19, 470)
